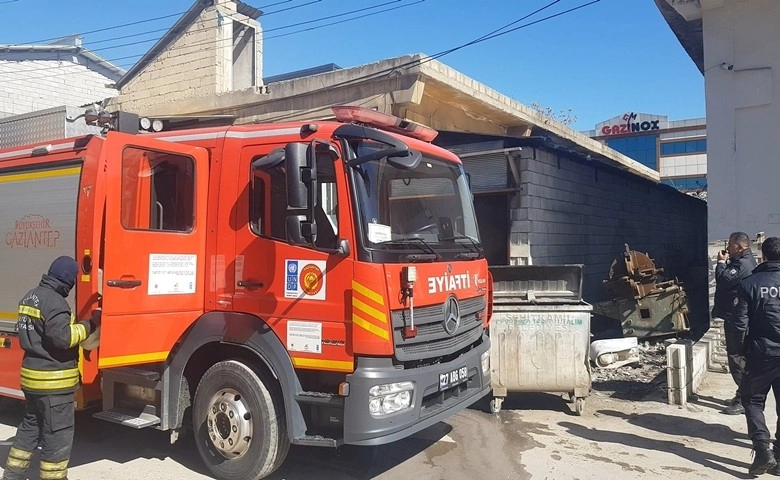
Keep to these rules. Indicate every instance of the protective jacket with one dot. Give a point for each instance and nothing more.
(755, 326)
(50, 339)
(727, 278)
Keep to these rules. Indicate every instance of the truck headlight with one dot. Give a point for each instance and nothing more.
(390, 398)
(485, 359)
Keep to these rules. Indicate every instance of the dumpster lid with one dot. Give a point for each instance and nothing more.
(537, 283)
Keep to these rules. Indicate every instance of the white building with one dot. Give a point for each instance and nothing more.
(37, 77)
(735, 45)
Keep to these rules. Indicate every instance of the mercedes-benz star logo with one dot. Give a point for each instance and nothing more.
(451, 315)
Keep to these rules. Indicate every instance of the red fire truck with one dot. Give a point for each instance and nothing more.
(313, 283)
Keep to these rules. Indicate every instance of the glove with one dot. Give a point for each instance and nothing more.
(96, 320)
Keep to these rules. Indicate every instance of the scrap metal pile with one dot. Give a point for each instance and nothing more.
(643, 306)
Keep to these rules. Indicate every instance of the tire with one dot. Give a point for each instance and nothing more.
(239, 423)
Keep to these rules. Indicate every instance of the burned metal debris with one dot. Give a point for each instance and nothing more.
(643, 306)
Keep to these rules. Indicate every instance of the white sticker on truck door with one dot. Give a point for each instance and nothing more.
(304, 336)
(172, 274)
(305, 279)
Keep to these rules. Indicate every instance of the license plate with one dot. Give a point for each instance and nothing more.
(452, 378)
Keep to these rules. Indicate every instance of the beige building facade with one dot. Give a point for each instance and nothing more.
(734, 44)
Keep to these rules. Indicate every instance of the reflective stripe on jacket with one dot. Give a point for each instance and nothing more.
(50, 338)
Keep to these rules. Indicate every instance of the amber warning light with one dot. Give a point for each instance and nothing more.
(384, 121)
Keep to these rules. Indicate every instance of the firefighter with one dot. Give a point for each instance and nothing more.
(50, 374)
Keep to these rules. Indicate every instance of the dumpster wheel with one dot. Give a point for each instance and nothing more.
(579, 405)
(495, 404)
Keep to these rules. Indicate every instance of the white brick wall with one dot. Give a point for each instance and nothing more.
(36, 84)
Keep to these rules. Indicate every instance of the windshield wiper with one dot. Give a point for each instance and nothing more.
(476, 252)
(419, 242)
(419, 257)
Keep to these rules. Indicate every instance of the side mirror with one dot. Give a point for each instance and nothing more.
(342, 247)
(301, 174)
(300, 231)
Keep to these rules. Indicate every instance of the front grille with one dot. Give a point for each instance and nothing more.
(432, 340)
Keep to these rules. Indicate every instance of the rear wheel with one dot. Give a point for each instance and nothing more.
(239, 423)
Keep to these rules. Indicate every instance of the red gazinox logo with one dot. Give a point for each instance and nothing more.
(629, 126)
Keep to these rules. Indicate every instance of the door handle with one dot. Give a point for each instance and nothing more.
(249, 284)
(124, 283)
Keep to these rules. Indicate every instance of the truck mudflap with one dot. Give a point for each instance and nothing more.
(440, 391)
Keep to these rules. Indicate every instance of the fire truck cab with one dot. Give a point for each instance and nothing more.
(314, 283)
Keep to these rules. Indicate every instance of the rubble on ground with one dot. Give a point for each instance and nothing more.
(635, 381)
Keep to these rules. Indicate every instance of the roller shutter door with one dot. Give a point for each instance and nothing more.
(487, 172)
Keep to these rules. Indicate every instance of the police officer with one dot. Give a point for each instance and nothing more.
(734, 264)
(756, 332)
(50, 339)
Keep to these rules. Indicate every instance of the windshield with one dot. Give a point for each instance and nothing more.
(426, 210)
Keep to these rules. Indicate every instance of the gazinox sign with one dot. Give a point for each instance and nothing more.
(631, 123)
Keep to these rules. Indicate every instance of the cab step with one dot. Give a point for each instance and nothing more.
(128, 418)
(317, 441)
(132, 396)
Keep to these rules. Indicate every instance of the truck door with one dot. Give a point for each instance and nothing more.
(154, 246)
(299, 290)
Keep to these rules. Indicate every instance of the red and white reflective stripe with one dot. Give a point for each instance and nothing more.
(26, 152)
(10, 392)
(189, 137)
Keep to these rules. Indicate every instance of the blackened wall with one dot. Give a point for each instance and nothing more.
(570, 210)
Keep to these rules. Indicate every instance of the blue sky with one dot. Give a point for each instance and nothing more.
(599, 61)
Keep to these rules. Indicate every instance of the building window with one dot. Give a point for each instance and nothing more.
(684, 147)
(687, 184)
(641, 148)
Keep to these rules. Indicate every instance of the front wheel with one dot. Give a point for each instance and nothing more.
(239, 423)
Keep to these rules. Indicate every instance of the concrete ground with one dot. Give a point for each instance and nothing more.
(535, 436)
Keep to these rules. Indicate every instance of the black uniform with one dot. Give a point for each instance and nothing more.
(756, 333)
(727, 278)
(49, 375)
